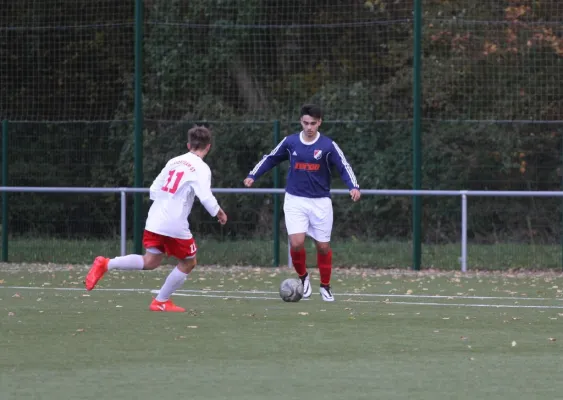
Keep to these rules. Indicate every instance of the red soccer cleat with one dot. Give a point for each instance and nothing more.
(165, 306)
(99, 268)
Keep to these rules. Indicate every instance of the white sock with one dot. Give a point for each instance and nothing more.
(132, 261)
(173, 282)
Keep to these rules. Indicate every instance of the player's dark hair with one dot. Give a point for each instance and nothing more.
(312, 110)
(199, 137)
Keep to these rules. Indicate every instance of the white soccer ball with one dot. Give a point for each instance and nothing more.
(291, 290)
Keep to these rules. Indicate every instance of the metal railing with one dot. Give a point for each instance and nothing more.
(463, 194)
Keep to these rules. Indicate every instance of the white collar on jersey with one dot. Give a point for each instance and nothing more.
(308, 143)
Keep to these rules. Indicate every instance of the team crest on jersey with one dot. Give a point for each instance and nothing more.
(317, 154)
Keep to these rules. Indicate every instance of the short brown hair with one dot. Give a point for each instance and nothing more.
(199, 137)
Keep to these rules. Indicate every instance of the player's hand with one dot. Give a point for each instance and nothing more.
(355, 194)
(248, 182)
(222, 217)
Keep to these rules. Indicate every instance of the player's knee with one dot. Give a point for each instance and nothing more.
(150, 261)
(187, 265)
(323, 248)
(297, 246)
(297, 241)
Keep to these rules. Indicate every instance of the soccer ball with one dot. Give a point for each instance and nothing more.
(291, 290)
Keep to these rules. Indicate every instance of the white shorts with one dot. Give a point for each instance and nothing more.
(310, 216)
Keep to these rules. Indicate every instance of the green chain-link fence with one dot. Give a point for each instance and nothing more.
(491, 119)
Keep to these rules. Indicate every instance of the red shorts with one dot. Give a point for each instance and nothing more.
(179, 248)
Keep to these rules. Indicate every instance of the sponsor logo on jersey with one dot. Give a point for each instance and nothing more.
(317, 154)
(307, 166)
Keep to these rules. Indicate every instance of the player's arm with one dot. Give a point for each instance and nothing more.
(337, 158)
(269, 161)
(202, 188)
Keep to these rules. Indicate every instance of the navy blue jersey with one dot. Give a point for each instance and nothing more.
(310, 163)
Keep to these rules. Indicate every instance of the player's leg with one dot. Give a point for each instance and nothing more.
(321, 218)
(185, 251)
(324, 261)
(150, 260)
(298, 257)
(297, 223)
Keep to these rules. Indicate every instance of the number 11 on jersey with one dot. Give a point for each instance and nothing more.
(177, 180)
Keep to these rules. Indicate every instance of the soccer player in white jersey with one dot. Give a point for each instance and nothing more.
(167, 230)
(307, 205)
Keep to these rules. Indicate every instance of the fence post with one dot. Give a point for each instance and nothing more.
(5, 194)
(138, 197)
(416, 137)
(123, 238)
(289, 262)
(463, 258)
(276, 200)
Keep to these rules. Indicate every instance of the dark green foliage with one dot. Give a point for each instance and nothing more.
(492, 106)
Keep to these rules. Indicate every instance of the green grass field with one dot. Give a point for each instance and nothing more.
(390, 335)
(346, 253)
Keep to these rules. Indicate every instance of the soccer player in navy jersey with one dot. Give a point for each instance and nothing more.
(307, 205)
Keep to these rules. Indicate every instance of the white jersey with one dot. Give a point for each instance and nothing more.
(173, 193)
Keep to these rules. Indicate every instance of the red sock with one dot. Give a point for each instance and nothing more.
(298, 261)
(324, 262)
